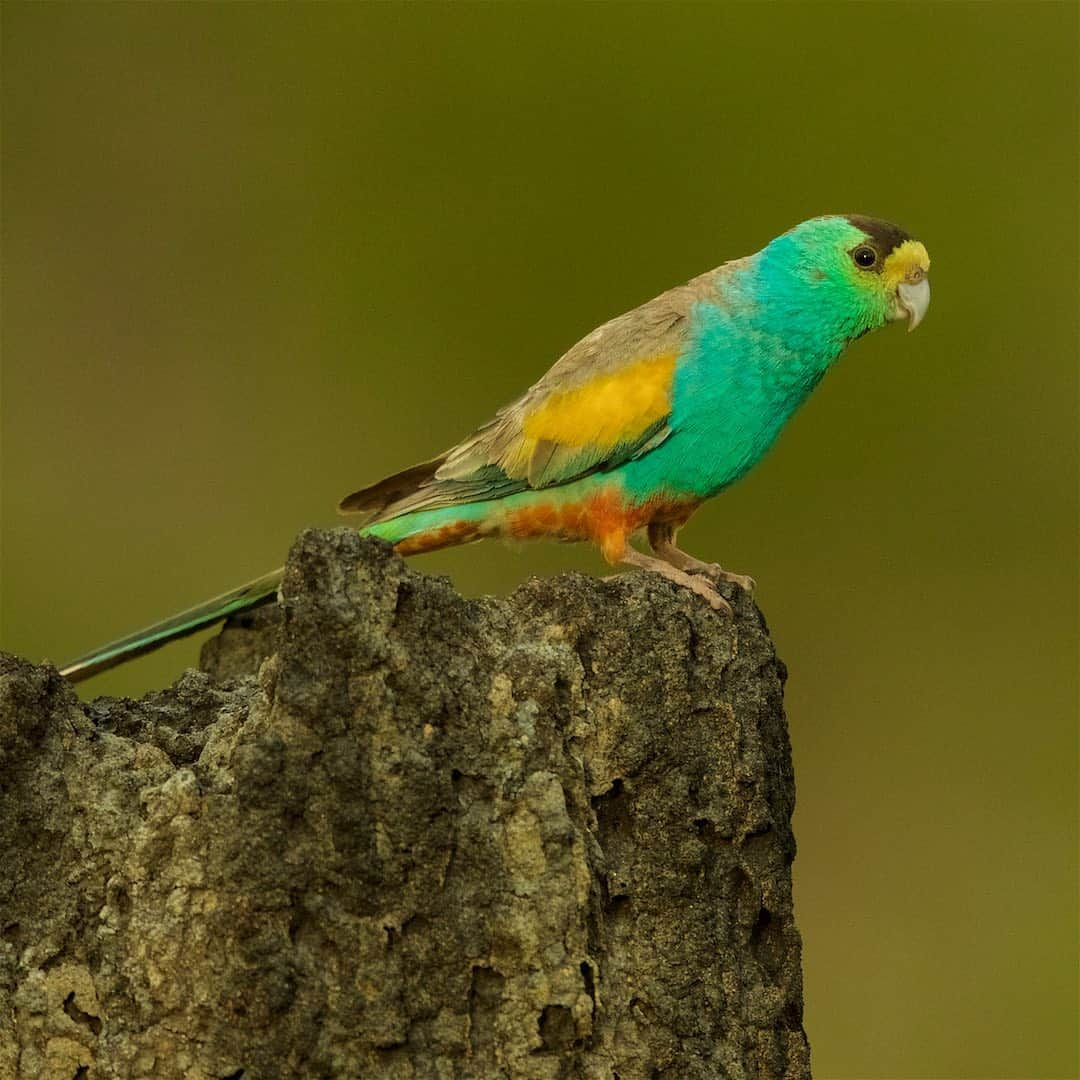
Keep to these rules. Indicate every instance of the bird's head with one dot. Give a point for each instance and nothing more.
(863, 270)
(889, 266)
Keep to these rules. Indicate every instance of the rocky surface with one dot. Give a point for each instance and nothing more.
(390, 832)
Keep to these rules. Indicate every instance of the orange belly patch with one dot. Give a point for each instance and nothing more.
(457, 532)
(604, 518)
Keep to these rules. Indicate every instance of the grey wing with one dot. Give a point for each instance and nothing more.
(500, 458)
(655, 328)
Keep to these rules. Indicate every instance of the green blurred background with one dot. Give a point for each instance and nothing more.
(257, 256)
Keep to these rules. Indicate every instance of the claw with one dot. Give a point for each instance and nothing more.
(694, 583)
(718, 573)
(710, 595)
(662, 541)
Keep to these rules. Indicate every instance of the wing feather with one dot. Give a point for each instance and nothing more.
(654, 330)
(605, 401)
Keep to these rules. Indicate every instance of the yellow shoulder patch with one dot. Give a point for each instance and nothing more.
(609, 409)
(573, 430)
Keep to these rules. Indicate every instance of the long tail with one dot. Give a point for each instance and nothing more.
(253, 594)
(410, 533)
(410, 509)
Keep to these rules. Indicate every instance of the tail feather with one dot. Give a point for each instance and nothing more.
(421, 488)
(375, 499)
(260, 591)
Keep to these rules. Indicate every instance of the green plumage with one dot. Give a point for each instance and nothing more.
(643, 419)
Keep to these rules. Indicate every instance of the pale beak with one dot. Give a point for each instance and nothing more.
(914, 299)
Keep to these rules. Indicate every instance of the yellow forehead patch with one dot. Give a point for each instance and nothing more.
(908, 262)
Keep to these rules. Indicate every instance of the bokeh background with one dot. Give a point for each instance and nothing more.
(255, 256)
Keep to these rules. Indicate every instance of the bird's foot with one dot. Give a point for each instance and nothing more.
(695, 583)
(661, 539)
(716, 572)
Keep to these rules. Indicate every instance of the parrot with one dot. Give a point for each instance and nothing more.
(639, 423)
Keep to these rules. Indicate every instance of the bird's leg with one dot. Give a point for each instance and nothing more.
(632, 557)
(662, 541)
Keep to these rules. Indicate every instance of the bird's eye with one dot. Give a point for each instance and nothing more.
(864, 257)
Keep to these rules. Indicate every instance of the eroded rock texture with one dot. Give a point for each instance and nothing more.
(542, 836)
